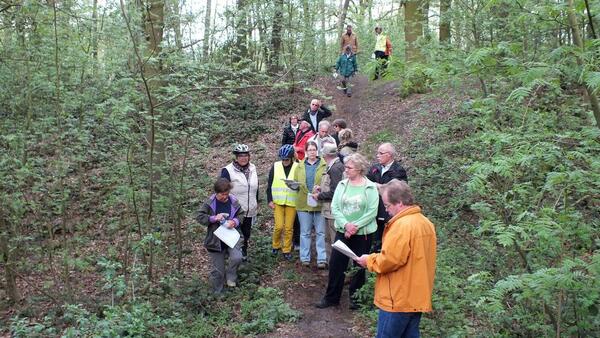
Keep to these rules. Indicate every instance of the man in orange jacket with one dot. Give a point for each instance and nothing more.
(405, 266)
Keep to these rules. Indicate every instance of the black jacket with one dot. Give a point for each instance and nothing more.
(336, 174)
(289, 135)
(322, 113)
(396, 171)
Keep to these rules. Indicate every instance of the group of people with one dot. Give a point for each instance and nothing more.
(346, 65)
(322, 182)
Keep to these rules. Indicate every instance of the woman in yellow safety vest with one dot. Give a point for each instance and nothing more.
(282, 200)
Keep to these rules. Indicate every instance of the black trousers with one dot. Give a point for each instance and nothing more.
(382, 63)
(338, 263)
(296, 233)
(378, 235)
(246, 228)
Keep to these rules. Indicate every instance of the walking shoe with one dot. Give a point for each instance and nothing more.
(323, 303)
(287, 256)
(349, 94)
(305, 263)
(275, 251)
(231, 284)
(321, 265)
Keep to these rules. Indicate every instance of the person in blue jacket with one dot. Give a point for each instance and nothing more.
(346, 66)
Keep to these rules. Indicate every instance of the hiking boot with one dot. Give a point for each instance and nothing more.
(287, 256)
(323, 303)
(231, 284)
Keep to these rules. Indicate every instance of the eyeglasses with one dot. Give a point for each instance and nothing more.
(387, 205)
(314, 104)
(382, 152)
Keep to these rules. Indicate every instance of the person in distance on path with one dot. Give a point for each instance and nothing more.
(349, 39)
(346, 66)
(383, 50)
(405, 267)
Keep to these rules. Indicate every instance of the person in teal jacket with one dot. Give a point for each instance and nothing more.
(346, 66)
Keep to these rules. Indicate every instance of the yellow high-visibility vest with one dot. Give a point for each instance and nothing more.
(380, 43)
(282, 195)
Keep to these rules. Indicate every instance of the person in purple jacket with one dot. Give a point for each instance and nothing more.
(221, 208)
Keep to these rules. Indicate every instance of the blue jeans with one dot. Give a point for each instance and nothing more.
(307, 220)
(398, 324)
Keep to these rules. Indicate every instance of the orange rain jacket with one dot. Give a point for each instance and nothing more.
(406, 265)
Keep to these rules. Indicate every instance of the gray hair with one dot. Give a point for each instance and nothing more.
(398, 191)
(390, 147)
(324, 123)
(360, 162)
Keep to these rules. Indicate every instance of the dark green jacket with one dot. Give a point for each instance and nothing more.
(346, 65)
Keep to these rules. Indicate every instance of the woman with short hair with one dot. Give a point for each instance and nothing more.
(354, 207)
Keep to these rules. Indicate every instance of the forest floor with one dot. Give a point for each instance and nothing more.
(375, 108)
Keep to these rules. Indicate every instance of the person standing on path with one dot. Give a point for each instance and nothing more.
(349, 39)
(346, 66)
(308, 175)
(290, 131)
(354, 207)
(385, 170)
(383, 50)
(405, 267)
(221, 208)
(329, 182)
(322, 137)
(303, 135)
(315, 113)
(244, 179)
(282, 200)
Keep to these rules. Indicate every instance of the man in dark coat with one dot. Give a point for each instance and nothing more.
(381, 173)
(315, 114)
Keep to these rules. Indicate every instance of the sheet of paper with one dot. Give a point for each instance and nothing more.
(343, 248)
(228, 236)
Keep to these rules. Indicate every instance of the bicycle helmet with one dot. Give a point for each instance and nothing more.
(241, 148)
(286, 151)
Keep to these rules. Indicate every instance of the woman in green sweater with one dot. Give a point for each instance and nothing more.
(354, 208)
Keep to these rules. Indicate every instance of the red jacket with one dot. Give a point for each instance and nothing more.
(300, 142)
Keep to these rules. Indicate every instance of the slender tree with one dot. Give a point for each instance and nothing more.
(445, 20)
(207, 29)
(413, 28)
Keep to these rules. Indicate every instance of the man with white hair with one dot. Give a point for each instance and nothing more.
(323, 137)
(382, 172)
(315, 113)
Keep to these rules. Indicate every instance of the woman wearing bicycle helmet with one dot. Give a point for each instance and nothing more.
(244, 179)
(282, 199)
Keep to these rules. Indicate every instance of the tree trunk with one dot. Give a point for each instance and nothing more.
(579, 43)
(445, 20)
(413, 28)
(241, 31)
(7, 234)
(276, 37)
(207, 30)
(342, 16)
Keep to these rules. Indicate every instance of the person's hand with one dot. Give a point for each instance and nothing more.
(219, 217)
(271, 205)
(230, 224)
(362, 260)
(315, 196)
(351, 229)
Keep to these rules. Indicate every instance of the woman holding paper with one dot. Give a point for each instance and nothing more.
(308, 175)
(354, 207)
(220, 213)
